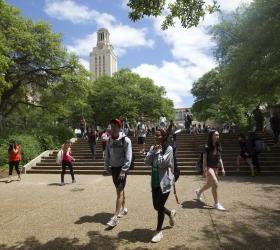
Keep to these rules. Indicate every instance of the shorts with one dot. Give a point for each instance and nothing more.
(119, 184)
(141, 140)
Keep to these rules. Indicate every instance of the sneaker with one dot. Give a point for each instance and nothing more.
(198, 196)
(157, 237)
(62, 184)
(219, 207)
(73, 181)
(9, 179)
(18, 179)
(112, 222)
(172, 218)
(123, 212)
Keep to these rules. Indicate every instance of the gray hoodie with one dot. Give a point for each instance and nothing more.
(165, 164)
(117, 154)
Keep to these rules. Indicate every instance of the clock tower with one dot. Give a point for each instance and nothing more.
(103, 60)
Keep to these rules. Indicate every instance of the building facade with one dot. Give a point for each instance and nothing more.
(103, 60)
(179, 117)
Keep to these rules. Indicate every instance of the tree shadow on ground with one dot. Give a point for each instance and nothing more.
(97, 241)
(274, 180)
(258, 228)
(195, 204)
(101, 218)
(137, 235)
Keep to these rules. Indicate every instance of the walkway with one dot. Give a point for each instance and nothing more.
(37, 213)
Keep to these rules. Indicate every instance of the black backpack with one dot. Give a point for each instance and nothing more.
(177, 171)
(199, 164)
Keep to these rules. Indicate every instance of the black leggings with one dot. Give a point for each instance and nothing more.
(159, 200)
(70, 166)
(11, 166)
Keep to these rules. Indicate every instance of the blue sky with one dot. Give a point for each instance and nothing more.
(174, 58)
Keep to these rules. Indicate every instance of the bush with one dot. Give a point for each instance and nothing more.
(33, 145)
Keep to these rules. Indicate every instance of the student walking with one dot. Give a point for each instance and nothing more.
(67, 161)
(83, 127)
(92, 138)
(160, 158)
(14, 159)
(211, 161)
(246, 152)
(275, 126)
(118, 157)
(104, 138)
(142, 132)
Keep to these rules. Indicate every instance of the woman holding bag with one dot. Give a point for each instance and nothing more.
(160, 158)
(67, 160)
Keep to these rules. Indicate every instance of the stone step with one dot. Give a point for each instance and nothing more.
(144, 168)
(134, 172)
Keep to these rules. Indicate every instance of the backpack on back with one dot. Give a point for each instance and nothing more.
(177, 171)
(199, 164)
(131, 167)
(259, 146)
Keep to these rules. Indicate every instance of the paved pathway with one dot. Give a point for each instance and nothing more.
(37, 213)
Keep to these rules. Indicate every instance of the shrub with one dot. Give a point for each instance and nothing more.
(30, 147)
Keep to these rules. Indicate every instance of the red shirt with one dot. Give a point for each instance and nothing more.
(15, 156)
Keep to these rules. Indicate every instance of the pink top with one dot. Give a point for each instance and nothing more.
(67, 156)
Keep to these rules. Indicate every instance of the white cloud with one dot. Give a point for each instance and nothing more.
(174, 77)
(70, 11)
(84, 62)
(131, 38)
(229, 5)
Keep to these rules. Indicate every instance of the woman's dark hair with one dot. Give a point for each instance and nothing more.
(12, 145)
(210, 145)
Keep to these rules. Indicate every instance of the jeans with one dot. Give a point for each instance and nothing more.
(93, 150)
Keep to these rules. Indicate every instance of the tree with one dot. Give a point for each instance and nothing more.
(126, 94)
(248, 51)
(213, 101)
(189, 12)
(32, 61)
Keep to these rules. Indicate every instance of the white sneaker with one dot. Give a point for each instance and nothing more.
(157, 237)
(9, 179)
(18, 179)
(218, 206)
(172, 218)
(198, 196)
(62, 184)
(112, 222)
(123, 212)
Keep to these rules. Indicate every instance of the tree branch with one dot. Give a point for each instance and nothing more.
(25, 103)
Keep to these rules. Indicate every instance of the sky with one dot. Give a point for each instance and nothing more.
(174, 58)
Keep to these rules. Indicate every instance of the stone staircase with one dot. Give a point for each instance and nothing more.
(188, 152)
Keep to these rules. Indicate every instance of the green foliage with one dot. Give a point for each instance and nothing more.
(30, 147)
(189, 12)
(248, 51)
(213, 100)
(128, 95)
(36, 70)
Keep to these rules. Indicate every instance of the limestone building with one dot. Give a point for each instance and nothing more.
(103, 60)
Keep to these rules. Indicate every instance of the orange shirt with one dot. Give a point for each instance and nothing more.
(15, 156)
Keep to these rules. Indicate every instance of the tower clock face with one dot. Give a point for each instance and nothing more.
(100, 46)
